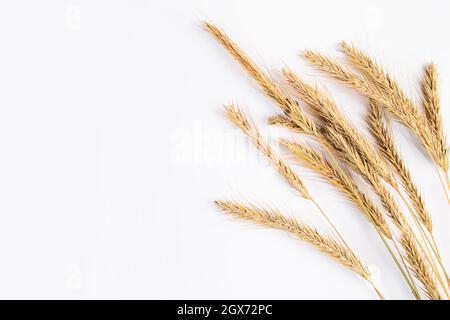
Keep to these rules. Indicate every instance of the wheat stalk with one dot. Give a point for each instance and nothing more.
(378, 95)
(341, 140)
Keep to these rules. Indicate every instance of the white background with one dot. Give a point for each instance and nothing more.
(113, 146)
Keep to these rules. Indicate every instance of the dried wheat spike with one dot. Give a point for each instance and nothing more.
(374, 71)
(401, 109)
(315, 161)
(332, 119)
(287, 105)
(403, 104)
(274, 219)
(238, 118)
(419, 267)
(432, 106)
(386, 143)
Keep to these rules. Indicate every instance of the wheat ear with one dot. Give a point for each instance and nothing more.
(432, 142)
(386, 143)
(325, 244)
(239, 119)
(419, 267)
(287, 105)
(402, 110)
(432, 106)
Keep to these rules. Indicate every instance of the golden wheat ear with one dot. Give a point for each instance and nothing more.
(325, 244)
(240, 120)
(269, 87)
(432, 106)
(274, 219)
(388, 148)
(418, 266)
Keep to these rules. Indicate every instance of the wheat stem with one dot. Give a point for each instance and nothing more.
(433, 240)
(443, 183)
(332, 225)
(375, 288)
(407, 276)
(437, 253)
(435, 249)
(447, 179)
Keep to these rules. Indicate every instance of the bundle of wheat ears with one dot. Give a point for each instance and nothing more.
(346, 159)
